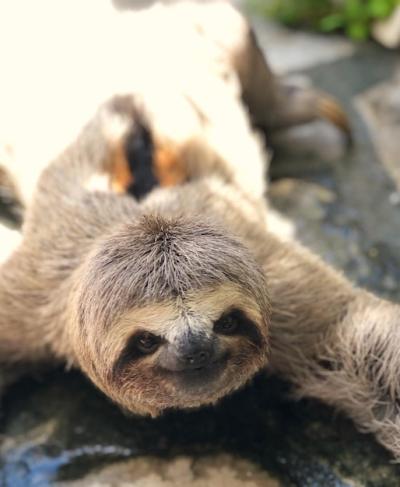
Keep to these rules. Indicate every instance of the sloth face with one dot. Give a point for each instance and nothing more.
(170, 315)
(191, 351)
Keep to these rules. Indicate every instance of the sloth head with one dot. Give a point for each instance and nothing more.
(169, 314)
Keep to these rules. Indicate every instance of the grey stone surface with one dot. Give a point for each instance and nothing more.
(60, 431)
(56, 429)
(380, 108)
(317, 140)
(289, 51)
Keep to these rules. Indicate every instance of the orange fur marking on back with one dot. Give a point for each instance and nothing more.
(168, 167)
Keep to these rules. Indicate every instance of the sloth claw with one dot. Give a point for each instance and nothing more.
(329, 109)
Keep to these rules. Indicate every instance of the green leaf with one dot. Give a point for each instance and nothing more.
(332, 22)
(354, 9)
(380, 8)
(358, 31)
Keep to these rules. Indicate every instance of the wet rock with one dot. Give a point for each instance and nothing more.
(317, 216)
(221, 470)
(322, 224)
(60, 431)
(288, 50)
(318, 140)
(380, 107)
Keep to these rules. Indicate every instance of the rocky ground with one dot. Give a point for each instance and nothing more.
(57, 430)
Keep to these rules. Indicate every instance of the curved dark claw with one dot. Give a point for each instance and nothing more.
(329, 109)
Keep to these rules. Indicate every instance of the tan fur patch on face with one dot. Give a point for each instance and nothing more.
(197, 311)
(169, 319)
(142, 386)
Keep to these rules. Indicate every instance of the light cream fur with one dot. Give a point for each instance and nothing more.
(70, 75)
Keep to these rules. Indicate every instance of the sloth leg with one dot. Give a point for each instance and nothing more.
(334, 342)
(60, 225)
(274, 104)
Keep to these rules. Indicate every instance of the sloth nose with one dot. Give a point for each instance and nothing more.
(196, 359)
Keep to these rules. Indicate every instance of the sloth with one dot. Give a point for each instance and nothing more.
(151, 268)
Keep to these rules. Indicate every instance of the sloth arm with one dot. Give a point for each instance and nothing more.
(273, 103)
(61, 225)
(74, 192)
(333, 341)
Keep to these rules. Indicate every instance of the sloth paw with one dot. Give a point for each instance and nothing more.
(327, 108)
(301, 103)
(359, 370)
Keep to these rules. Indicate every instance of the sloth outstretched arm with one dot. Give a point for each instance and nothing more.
(66, 216)
(334, 342)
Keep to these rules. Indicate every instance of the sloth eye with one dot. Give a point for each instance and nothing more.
(227, 324)
(140, 344)
(236, 322)
(147, 343)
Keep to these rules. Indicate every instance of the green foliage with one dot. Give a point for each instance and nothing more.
(354, 17)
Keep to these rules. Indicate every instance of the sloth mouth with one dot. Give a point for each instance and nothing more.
(199, 376)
